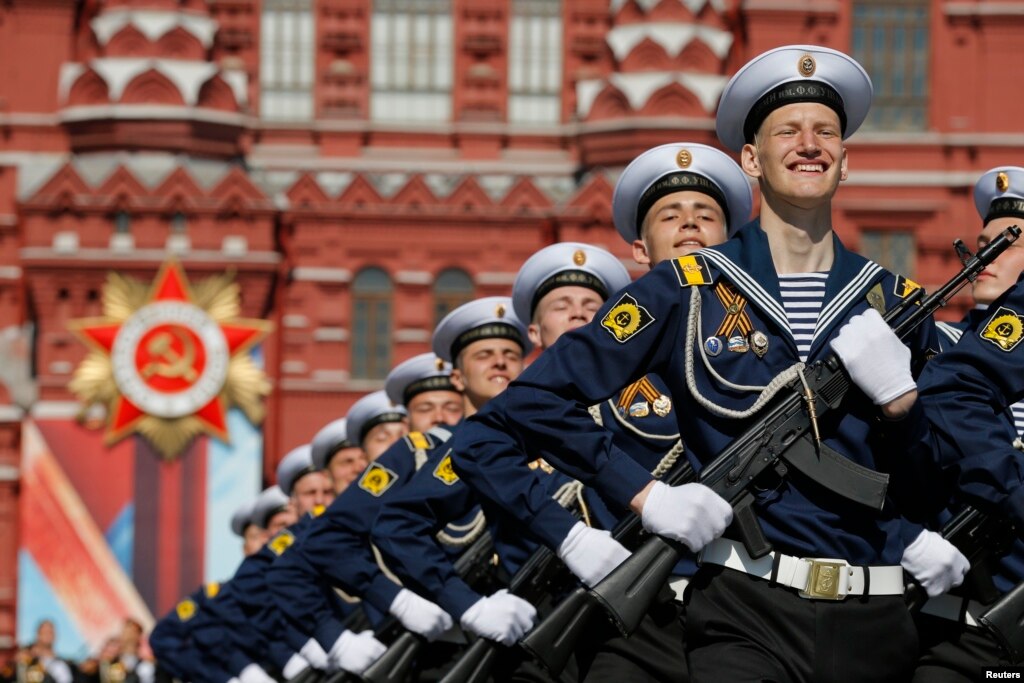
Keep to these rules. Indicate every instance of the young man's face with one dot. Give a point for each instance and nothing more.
(281, 520)
(253, 539)
(310, 490)
(1003, 273)
(677, 224)
(344, 466)
(485, 367)
(561, 310)
(431, 408)
(381, 436)
(798, 155)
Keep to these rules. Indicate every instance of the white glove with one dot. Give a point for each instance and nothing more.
(935, 563)
(355, 652)
(252, 673)
(502, 617)
(591, 554)
(419, 615)
(692, 514)
(314, 654)
(876, 359)
(295, 665)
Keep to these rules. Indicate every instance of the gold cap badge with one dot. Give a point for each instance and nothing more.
(499, 310)
(439, 364)
(806, 66)
(579, 257)
(1002, 182)
(684, 158)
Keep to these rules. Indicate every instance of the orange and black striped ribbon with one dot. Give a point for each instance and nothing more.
(644, 387)
(736, 318)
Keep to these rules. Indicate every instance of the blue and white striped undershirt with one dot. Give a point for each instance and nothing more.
(1017, 409)
(802, 296)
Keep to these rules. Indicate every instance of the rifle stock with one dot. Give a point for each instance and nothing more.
(475, 664)
(397, 661)
(1003, 621)
(762, 447)
(307, 675)
(394, 665)
(981, 538)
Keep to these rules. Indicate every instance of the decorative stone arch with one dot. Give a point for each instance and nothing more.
(673, 100)
(89, 88)
(180, 44)
(152, 87)
(129, 42)
(216, 94)
(609, 104)
(646, 56)
(698, 56)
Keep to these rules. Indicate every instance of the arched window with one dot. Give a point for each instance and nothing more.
(371, 324)
(452, 288)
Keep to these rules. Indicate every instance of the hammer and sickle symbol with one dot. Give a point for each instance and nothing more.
(169, 362)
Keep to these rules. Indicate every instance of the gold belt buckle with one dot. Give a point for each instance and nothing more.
(824, 579)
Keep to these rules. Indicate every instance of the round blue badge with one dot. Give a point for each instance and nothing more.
(713, 346)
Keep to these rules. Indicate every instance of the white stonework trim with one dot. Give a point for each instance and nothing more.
(69, 73)
(912, 179)
(411, 335)
(189, 76)
(10, 272)
(330, 334)
(153, 24)
(294, 320)
(8, 473)
(11, 413)
(294, 367)
(328, 375)
(492, 278)
(147, 255)
(122, 242)
(986, 9)
(162, 112)
(647, 5)
(61, 367)
(818, 6)
(638, 88)
(319, 274)
(673, 37)
(413, 277)
(54, 410)
(235, 246)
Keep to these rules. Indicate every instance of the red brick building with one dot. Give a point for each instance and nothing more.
(366, 165)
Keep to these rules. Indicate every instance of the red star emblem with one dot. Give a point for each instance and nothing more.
(170, 359)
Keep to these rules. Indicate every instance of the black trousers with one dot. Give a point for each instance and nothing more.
(954, 653)
(654, 653)
(742, 629)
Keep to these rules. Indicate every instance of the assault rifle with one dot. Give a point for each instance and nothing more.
(982, 538)
(473, 567)
(1004, 619)
(552, 641)
(307, 675)
(531, 582)
(785, 436)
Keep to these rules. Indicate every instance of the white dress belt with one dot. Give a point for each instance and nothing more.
(814, 578)
(954, 608)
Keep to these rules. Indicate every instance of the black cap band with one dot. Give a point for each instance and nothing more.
(793, 92)
(487, 331)
(262, 523)
(1005, 206)
(337, 446)
(681, 181)
(435, 383)
(568, 278)
(390, 416)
